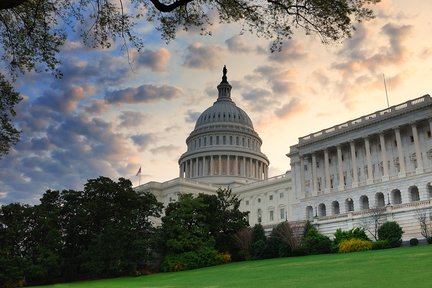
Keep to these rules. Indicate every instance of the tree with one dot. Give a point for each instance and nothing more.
(259, 242)
(373, 221)
(224, 218)
(424, 217)
(33, 31)
(185, 235)
(14, 223)
(9, 135)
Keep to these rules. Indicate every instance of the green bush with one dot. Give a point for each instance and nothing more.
(354, 245)
(203, 257)
(340, 235)
(392, 232)
(314, 242)
(380, 244)
(414, 242)
(429, 240)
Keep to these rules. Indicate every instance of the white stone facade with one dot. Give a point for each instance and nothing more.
(337, 175)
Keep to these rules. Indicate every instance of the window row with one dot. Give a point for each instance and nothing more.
(364, 203)
(223, 140)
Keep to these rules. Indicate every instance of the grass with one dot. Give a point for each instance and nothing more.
(392, 268)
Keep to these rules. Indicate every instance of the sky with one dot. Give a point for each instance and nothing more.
(110, 115)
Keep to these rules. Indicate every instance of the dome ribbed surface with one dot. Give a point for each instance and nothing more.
(224, 112)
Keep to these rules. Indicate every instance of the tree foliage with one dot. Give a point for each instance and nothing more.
(104, 230)
(33, 31)
(9, 134)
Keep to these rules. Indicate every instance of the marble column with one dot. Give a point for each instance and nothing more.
(419, 168)
(354, 165)
(302, 176)
(327, 171)
(244, 167)
(385, 175)
(314, 176)
(204, 166)
(220, 165)
(400, 153)
(368, 161)
(340, 168)
(211, 166)
(236, 172)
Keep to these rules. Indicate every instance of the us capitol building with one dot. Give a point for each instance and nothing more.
(338, 176)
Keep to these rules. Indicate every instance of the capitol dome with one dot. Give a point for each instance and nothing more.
(224, 148)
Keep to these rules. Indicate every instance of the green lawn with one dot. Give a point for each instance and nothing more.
(392, 268)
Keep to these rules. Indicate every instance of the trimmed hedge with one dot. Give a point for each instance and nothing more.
(414, 242)
(354, 245)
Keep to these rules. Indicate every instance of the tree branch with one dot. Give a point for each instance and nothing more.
(168, 8)
(8, 4)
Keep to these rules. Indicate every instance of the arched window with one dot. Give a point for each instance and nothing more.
(364, 202)
(309, 213)
(335, 208)
(413, 193)
(379, 200)
(259, 216)
(349, 204)
(396, 197)
(429, 189)
(322, 210)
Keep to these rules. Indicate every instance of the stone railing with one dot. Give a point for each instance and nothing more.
(397, 109)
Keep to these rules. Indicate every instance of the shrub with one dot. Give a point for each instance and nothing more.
(223, 258)
(414, 242)
(340, 235)
(354, 245)
(203, 257)
(314, 242)
(429, 240)
(380, 244)
(392, 232)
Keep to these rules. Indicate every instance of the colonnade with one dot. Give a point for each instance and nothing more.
(340, 177)
(224, 165)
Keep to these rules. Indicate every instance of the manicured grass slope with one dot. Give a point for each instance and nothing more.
(400, 267)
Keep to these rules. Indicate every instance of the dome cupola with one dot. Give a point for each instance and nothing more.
(224, 148)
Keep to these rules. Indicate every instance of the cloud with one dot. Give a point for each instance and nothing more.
(361, 59)
(291, 51)
(166, 149)
(192, 116)
(131, 119)
(199, 56)
(236, 44)
(155, 60)
(143, 140)
(143, 94)
(293, 107)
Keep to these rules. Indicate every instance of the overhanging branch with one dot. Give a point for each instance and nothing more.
(8, 4)
(168, 8)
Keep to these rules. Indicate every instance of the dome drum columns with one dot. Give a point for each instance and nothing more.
(224, 165)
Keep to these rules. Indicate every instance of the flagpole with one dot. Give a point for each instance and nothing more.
(385, 86)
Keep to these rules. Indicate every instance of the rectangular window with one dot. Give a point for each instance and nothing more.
(224, 140)
(247, 202)
(271, 216)
(282, 214)
(281, 195)
(217, 140)
(412, 139)
(428, 133)
(211, 140)
(271, 197)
